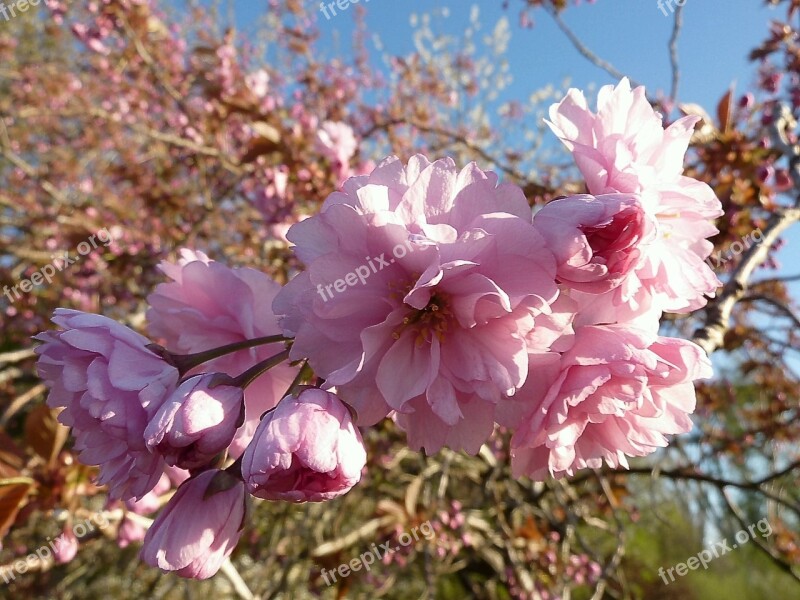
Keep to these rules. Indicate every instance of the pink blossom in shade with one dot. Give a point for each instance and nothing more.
(207, 305)
(270, 196)
(198, 421)
(306, 450)
(279, 230)
(109, 384)
(151, 501)
(453, 276)
(337, 142)
(130, 531)
(598, 241)
(65, 547)
(176, 475)
(199, 527)
(623, 147)
(617, 392)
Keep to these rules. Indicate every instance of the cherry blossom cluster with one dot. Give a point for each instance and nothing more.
(545, 324)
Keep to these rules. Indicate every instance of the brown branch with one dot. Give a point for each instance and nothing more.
(679, 474)
(21, 401)
(787, 279)
(778, 474)
(15, 356)
(176, 140)
(619, 552)
(457, 138)
(29, 170)
(712, 334)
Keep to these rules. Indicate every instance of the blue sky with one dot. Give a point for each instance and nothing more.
(631, 34)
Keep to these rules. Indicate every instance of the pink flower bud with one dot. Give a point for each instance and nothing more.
(65, 547)
(198, 421)
(598, 241)
(765, 172)
(199, 527)
(306, 450)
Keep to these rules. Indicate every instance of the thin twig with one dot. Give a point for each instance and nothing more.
(584, 50)
(239, 585)
(21, 401)
(673, 53)
(786, 279)
(787, 311)
(15, 356)
(772, 554)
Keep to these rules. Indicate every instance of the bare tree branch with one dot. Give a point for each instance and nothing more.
(673, 53)
(584, 50)
(787, 279)
(711, 335)
(785, 310)
(772, 554)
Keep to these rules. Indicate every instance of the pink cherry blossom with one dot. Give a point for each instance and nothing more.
(199, 527)
(197, 422)
(306, 450)
(625, 148)
(207, 305)
(109, 384)
(422, 286)
(337, 142)
(617, 392)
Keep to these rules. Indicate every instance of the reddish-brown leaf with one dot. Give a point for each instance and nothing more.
(44, 433)
(13, 494)
(12, 458)
(725, 112)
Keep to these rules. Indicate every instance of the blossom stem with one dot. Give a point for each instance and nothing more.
(256, 370)
(304, 374)
(186, 362)
(235, 468)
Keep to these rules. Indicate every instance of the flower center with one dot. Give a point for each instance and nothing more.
(433, 320)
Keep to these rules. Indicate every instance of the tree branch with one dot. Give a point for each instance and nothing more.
(788, 312)
(673, 53)
(772, 554)
(711, 335)
(584, 50)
